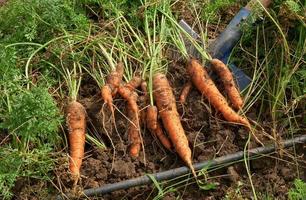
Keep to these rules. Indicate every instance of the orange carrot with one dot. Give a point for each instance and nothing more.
(161, 136)
(115, 77)
(134, 83)
(166, 105)
(76, 115)
(109, 90)
(185, 92)
(228, 81)
(151, 119)
(134, 132)
(206, 86)
(133, 113)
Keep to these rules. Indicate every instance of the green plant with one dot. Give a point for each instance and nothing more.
(33, 119)
(299, 190)
(211, 9)
(14, 164)
(38, 21)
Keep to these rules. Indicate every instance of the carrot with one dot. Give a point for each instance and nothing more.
(151, 119)
(166, 105)
(110, 88)
(161, 136)
(185, 92)
(228, 81)
(76, 125)
(206, 86)
(133, 113)
(134, 83)
(134, 132)
(115, 77)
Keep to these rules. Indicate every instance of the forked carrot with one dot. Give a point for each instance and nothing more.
(185, 92)
(206, 86)
(228, 81)
(76, 121)
(166, 105)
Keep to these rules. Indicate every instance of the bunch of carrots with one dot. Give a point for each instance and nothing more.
(162, 104)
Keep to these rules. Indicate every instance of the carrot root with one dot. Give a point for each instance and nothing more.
(206, 86)
(133, 113)
(185, 92)
(228, 81)
(76, 120)
(151, 117)
(166, 105)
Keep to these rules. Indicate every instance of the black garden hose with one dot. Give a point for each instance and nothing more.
(173, 173)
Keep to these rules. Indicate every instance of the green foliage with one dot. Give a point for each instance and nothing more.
(38, 21)
(34, 118)
(211, 8)
(34, 164)
(299, 190)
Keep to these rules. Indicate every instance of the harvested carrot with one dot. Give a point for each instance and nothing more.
(76, 115)
(151, 119)
(133, 113)
(134, 132)
(185, 92)
(115, 77)
(106, 92)
(228, 81)
(109, 90)
(206, 86)
(134, 83)
(161, 136)
(166, 105)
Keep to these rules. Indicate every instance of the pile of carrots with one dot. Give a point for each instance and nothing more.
(165, 109)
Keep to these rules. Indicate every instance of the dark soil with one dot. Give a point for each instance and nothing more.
(206, 131)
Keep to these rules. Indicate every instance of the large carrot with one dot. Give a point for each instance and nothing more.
(206, 86)
(185, 92)
(109, 90)
(228, 81)
(166, 105)
(127, 92)
(76, 115)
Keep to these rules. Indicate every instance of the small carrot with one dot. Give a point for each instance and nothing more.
(134, 83)
(166, 105)
(161, 136)
(76, 116)
(185, 92)
(206, 86)
(131, 97)
(109, 90)
(228, 81)
(151, 119)
(134, 132)
(115, 77)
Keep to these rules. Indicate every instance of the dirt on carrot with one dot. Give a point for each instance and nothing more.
(207, 87)
(76, 121)
(166, 105)
(228, 81)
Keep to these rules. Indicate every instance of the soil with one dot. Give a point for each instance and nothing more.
(206, 131)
